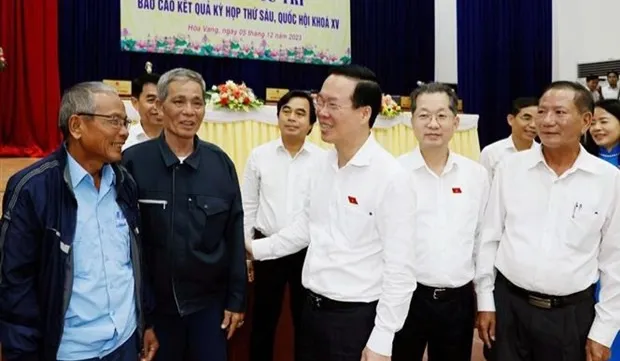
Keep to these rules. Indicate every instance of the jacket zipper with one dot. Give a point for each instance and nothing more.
(174, 290)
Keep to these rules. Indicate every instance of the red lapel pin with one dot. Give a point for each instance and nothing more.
(352, 200)
(456, 190)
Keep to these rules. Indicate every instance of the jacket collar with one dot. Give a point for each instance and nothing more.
(170, 159)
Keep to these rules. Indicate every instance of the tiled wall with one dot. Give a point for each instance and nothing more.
(8, 167)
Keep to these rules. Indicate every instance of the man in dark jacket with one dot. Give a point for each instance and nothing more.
(70, 269)
(192, 219)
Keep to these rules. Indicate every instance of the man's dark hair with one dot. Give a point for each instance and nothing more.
(520, 103)
(367, 91)
(612, 72)
(592, 77)
(137, 85)
(298, 94)
(583, 98)
(434, 88)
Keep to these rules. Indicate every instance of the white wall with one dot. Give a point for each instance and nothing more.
(583, 31)
(445, 41)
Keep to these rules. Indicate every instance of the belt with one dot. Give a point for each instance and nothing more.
(319, 302)
(544, 301)
(442, 294)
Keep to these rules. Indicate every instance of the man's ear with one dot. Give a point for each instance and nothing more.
(510, 118)
(134, 103)
(76, 126)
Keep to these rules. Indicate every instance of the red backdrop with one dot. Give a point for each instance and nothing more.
(30, 85)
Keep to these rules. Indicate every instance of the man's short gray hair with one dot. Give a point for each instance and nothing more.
(178, 74)
(80, 99)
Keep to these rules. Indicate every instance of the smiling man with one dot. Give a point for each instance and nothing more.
(551, 229)
(451, 193)
(71, 285)
(192, 219)
(523, 132)
(143, 99)
(275, 181)
(357, 225)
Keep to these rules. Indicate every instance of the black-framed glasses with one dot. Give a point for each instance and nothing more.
(113, 120)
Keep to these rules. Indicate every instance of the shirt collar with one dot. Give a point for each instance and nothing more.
(509, 143)
(137, 131)
(417, 161)
(363, 156)
(614, 150)
(304, 148)
(583, 162)
(77, 173)
(170, 159)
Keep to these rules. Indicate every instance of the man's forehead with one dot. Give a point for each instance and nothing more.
(298, 103)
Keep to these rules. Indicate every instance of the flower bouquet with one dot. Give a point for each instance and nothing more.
(2, 60)
(389, 108)
(232, 96)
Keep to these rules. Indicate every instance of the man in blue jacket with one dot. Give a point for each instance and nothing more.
(70, 269)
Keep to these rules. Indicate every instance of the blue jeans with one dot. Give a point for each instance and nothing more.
(615, 347)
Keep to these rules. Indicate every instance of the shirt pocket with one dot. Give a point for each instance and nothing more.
(583, 231)
(463, 215)
(209, 217)
(359, 224)
(154, 208)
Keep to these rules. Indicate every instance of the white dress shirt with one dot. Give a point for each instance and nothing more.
(493, 153)
(449, 211)
(554, 235)
(275, 185)
(358, 226)
(609, 92)
(136, 135)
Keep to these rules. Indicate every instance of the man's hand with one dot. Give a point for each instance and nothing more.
(250, 265)
(232, 321)
(485, 323)
(597, 352)
(151, 345)
(370, 355)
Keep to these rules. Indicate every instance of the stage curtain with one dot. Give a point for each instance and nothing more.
(504, 52)
(239, 138)
(395, 38)
(30, 85)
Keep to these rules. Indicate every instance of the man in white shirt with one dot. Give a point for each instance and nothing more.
(451, 193)
(274, 189)
(592, 85)
(611, 90)
(143, 98)
(523, 132)
(551, 227)
(358, 227)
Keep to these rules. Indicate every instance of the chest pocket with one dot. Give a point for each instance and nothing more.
(583, 227)
(209, 217)
(359, 224)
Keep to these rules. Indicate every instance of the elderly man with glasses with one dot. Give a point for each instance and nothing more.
(71, 285)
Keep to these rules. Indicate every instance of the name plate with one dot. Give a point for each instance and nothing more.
(274, 94)
(405, 102)
(123, 87)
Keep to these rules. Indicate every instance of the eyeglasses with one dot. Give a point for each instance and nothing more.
(331, 106)
(113, 120)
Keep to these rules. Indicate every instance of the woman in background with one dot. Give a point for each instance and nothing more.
(603, 140)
